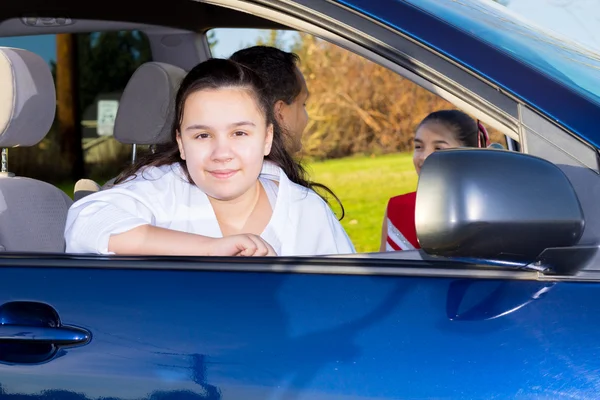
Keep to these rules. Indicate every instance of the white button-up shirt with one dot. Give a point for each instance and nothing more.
(302, 223)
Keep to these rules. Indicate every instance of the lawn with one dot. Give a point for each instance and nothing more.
(364, 185)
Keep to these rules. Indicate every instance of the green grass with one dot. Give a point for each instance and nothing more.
(364, 185)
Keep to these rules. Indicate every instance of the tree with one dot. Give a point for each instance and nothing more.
(86, 66)
(272, 38)
(357, 106)
(107, 60)
(68, 111)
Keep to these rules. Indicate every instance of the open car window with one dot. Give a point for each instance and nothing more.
(359, 139)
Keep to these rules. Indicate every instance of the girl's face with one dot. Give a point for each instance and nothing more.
(293, 117)
(430, 137)
(223, 139)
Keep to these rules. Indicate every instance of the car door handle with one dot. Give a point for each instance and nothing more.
(32, 333)
(62, 336)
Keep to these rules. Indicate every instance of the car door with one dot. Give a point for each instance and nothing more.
(202, 330)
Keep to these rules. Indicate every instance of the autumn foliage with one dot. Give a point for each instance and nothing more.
(357, 106)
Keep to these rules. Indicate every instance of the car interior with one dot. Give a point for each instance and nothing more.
(178, 39)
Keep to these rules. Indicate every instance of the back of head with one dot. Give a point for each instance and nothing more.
(276, 67)
(283, 82)
(464, 128)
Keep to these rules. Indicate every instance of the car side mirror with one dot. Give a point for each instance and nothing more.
(494, 204)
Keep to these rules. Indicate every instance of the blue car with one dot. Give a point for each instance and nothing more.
(501, 301)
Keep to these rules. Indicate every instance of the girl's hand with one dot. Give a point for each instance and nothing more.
(247, 245)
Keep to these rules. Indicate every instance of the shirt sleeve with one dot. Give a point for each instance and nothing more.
(92, 220)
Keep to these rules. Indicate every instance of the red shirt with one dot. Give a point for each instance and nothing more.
(401, 232)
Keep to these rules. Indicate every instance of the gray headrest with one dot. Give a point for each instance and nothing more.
(27, 98)
(146, 108)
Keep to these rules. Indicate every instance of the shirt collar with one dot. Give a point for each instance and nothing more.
(270, 170)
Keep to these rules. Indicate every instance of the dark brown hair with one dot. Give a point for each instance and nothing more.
(464, 128)
(276, 67)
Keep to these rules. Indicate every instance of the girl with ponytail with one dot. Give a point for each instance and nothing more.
(440, 130)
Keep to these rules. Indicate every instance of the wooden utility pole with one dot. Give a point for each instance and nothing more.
(68, 112)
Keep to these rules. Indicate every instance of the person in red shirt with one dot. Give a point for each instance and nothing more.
(440, 130)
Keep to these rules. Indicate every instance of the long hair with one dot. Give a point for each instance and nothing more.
(216, 74)
(276, 67)
(278, 70)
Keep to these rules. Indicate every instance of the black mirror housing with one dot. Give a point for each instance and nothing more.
(494, 204)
